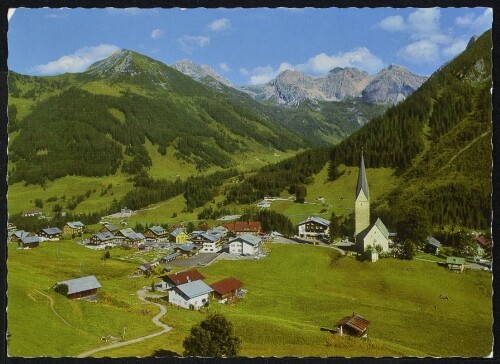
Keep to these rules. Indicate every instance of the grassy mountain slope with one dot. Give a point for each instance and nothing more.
(101, 120)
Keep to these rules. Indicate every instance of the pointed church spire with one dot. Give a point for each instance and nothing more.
(362, 182)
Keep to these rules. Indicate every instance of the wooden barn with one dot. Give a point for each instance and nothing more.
(81, 287)
(354, 325)
(52, 233)
(29, 242)
(226, 288)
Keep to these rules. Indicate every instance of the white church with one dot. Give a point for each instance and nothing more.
(366, 234)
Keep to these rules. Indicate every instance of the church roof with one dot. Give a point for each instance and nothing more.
(379, 224)
(362, 182)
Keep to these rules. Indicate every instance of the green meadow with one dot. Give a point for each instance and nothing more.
(291, 294)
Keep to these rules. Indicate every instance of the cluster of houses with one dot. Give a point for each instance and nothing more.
(188, 290)
(27, 239)
(240, 238)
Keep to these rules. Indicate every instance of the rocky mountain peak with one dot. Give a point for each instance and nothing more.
(199, 72)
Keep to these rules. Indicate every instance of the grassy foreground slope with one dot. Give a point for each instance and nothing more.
(291, 294)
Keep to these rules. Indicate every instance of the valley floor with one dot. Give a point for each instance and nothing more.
(292, 292)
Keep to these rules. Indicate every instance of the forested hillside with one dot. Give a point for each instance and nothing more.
(438, 141)
(97, 122)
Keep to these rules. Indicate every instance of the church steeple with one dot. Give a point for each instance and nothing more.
(362, 182)
(362, 204)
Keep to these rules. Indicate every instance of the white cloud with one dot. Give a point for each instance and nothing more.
(480, 22)
(423, 23)
(422, 51)
(319, 64)
(77, 61)
(359, 57)
(455, 48)
(129, 11)
(392, 23)
(56, 16)
(224, 67)
(157, 34)
(189, 42)
(219, 25)
(244, 71)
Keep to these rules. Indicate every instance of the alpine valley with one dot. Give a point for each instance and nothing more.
(133, 172)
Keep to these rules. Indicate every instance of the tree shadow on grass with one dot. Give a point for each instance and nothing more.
(162, 353)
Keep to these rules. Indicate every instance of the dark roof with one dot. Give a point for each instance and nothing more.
(157, 230)
(81, 284)
(433, 241)
(171, 256)
(316, 219)
(110, 227)
(182, 277)
(145, 267)
(356, 322)
(362, 182)
(75, 224)
(106, 235)
(484, 242)
(30, 239)
(243, 226)
(176, 232)
(52, 231)
(226, 285)
(188, 247)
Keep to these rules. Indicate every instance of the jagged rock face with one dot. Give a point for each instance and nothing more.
(118, 62)
(392, 85)
(199, 73)
(340, 83)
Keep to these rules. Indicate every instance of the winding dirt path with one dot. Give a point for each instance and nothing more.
(464, 149)
(51, 301)
(156, 320)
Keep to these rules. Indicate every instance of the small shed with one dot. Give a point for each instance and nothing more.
(432, 245)
(354, 325)
(454, 263)
(143, 269)
(226, 288)
(29, 242)
(81, 287)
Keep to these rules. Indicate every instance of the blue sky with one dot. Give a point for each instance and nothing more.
(247, 46)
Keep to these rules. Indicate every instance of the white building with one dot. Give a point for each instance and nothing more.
(245, 244)
(193, 294)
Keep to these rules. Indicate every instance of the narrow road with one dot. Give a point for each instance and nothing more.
(156, 320)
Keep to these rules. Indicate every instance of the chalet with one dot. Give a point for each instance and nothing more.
(81, 287)
(32, 213)
(242, 227)
(187, 250)
(225, 289)
(484, 247)
(245, 244)
(433, 245)
(175, 279)
(156, 233)
(454, 263)
(129, 238)
(108, 228)
(354, 325)
(102, 238)
(145, 269)
(179, 236)
(29, 242)
(52, 234)
(314, 227)
(209, 241)
(74, 227)
(18, 235)
(191, 295)
(170, 257)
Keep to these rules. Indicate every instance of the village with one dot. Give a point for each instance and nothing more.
(169, 258)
